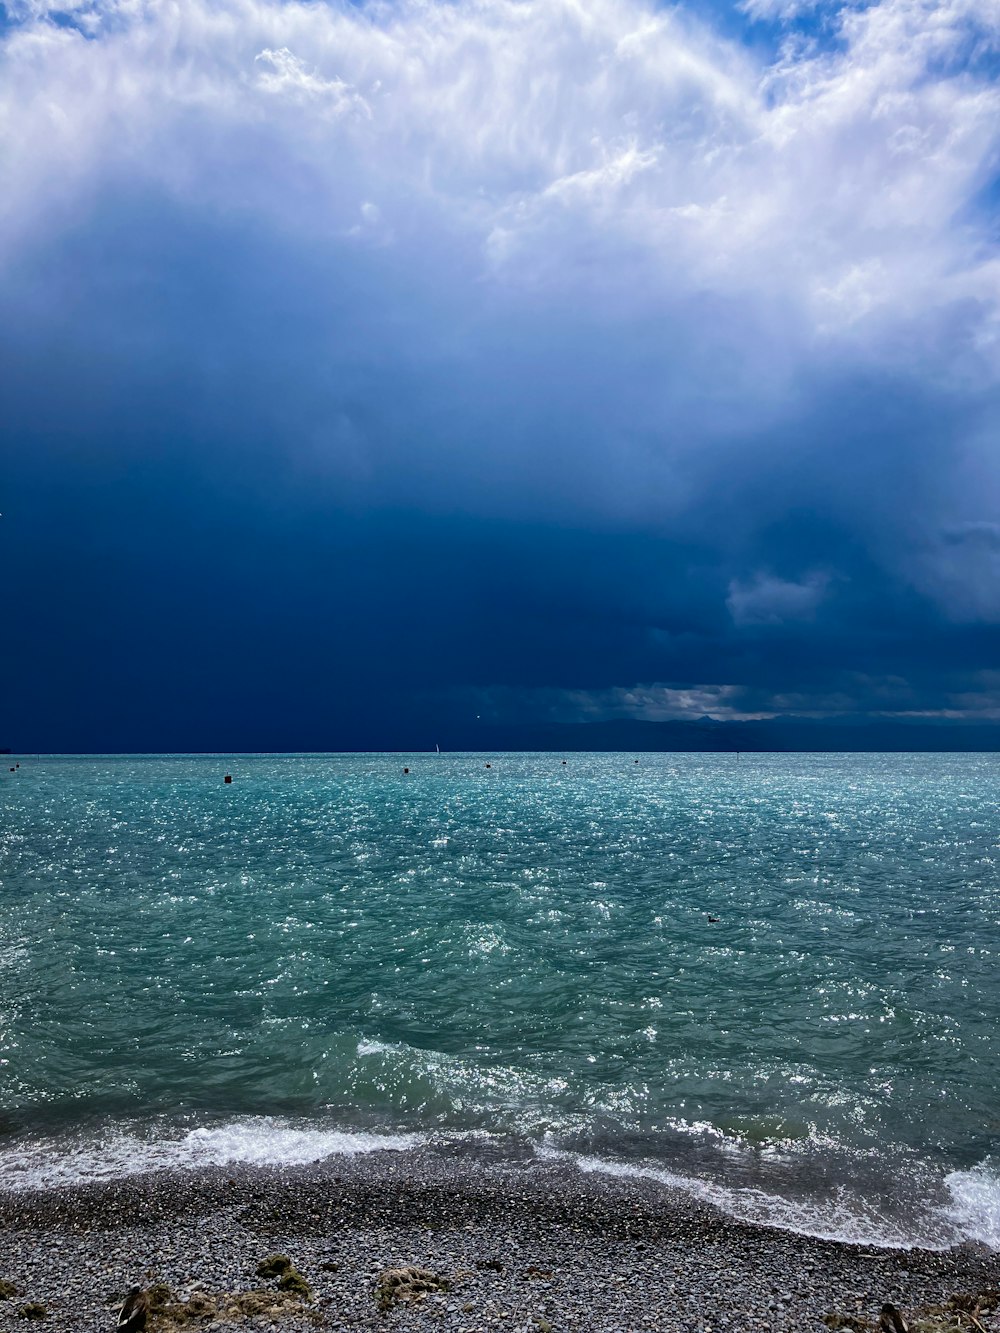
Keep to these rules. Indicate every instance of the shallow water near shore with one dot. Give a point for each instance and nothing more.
(329, 956)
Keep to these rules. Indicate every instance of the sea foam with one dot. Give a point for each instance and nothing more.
(251, 1140)
(971, 1214)
(975, 1207)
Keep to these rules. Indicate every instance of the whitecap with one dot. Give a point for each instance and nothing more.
(119, 1153)
(975, 1203)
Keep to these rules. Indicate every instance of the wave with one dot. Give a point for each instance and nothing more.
(940, 1210)
(975, 1203)
(969, 1209)
(120, 1152)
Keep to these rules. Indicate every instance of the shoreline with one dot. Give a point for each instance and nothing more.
(523, 1245)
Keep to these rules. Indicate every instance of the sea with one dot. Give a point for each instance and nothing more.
(771, 981)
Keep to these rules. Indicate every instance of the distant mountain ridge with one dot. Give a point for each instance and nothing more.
(705, 735)
(773, 735)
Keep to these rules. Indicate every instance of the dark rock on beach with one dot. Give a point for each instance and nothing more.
(488, 1245)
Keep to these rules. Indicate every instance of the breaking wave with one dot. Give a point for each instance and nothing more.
(120, 1152)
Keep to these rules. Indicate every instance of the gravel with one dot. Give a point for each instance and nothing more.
(523, 1247)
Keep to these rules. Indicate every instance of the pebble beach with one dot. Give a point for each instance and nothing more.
(514, 1244)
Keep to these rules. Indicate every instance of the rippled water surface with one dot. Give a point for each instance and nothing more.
(328, 950)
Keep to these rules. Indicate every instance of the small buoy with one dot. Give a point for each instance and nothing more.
(228, 778)
(406, 770)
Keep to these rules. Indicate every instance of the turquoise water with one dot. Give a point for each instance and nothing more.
(328, 955)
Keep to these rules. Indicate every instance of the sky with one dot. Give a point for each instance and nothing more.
(367, 367)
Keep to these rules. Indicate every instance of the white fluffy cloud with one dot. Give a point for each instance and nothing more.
(556, 141)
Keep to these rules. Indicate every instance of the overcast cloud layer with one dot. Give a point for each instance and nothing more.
(552, 359)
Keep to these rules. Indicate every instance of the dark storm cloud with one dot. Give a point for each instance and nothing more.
(350, 379)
